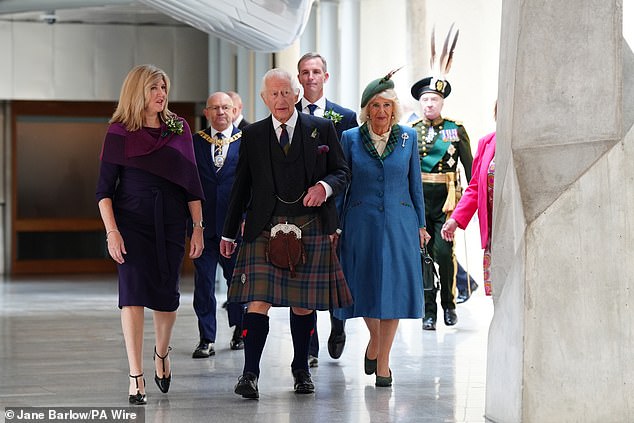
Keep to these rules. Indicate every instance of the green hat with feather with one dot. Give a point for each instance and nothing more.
(377, 86)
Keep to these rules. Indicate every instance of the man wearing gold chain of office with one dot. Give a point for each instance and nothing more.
(442, 143)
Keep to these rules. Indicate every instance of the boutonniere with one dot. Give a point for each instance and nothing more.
(322, 149)
(405, 138)
(174, 125)
(333, 116)
(315, 133)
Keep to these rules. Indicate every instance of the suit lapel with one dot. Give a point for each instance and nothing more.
(329, 106)
(206, 151)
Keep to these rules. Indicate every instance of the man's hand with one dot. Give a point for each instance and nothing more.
(316, 196)
(227, 248)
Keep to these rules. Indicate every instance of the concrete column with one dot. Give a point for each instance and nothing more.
(287, 58)
(349, 95)
(226, 65)
(262, 62)
(244, 81)
(561, 338)
(329, 42)
(308, 39)
(213, 62)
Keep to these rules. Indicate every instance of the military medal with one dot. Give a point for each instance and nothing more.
(219, 161)
(431, 134)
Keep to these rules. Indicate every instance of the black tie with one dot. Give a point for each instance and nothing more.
(284, 138)
(312, 108)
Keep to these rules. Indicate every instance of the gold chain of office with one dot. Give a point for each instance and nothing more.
(219, 142)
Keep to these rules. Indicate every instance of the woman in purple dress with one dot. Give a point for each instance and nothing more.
(148, 188)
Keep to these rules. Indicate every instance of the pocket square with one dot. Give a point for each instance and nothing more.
(322, 149)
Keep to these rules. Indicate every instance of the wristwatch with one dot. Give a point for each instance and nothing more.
(198, 225)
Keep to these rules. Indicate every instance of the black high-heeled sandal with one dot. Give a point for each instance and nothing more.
(163, 383)
(138, 398)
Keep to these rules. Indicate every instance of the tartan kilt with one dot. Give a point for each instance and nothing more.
(318, 284)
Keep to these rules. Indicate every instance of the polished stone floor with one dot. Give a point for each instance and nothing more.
(61, 345)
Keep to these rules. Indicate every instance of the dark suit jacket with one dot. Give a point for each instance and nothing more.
(243, 123)
(216, 185)
(254, 190)
(349, 119)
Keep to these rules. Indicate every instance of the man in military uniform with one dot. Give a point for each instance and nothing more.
(442, 143)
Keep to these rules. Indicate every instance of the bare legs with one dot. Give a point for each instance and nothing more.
(163, 325)
(132, 325)
(132, 319)
(382, 332)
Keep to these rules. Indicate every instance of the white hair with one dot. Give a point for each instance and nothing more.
(281, 74)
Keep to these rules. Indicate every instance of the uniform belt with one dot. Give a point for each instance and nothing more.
(453, 193)
(438, 178)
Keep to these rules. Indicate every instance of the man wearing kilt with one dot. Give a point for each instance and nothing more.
(290, 169)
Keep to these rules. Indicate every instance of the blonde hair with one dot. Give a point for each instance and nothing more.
(135, 93)
(388, 94)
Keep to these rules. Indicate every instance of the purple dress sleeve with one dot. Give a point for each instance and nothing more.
(107, 182)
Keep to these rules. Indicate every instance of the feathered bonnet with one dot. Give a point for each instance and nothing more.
(437, 83)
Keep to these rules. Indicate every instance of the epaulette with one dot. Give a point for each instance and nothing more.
(457, 122)
(417, 121)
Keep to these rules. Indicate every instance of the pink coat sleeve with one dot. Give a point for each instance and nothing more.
(475, 196)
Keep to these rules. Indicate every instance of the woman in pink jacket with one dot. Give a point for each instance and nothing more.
(478, 195)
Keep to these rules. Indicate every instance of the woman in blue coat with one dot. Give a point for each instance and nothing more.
(383, 224)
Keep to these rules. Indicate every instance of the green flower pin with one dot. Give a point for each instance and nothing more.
(174, 125)
(333, 116)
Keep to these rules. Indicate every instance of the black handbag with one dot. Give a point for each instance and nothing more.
(430, 275)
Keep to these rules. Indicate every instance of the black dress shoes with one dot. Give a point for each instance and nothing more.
(303, 382)
(336, 343)
(237, 343)
(337, 338)
(451, 318)
(247, 386)
(429, 323)
(204, 349)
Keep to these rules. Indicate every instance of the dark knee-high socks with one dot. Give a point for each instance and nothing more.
(255, 329)
(301, 330)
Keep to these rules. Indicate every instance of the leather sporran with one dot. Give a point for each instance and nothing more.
(285, 248)
(429, 270)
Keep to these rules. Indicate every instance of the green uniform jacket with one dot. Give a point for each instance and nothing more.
(442, 148)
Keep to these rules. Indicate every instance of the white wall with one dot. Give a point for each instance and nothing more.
(89, 62)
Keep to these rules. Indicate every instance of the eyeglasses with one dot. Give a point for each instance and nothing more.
(225, 108)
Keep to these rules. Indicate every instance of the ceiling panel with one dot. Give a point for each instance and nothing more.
(260, 25)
